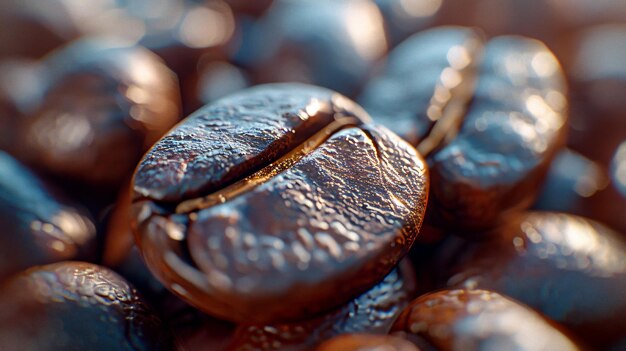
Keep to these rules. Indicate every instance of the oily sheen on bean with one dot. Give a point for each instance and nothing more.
(569, 268)
(277, 203)
(489, 117)
(99, 105)
(76, 306)
(478, 320)
(38, 225)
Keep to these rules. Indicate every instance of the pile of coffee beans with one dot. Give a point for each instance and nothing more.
(313, 175)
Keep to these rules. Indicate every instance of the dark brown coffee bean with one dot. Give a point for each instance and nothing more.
(336, 50)
(76, 306)
(104, 105)
(38, 226)
(489, 117)
(372, 312)
(427, 78)
(479, 320)
(571, 269)
(367, 342)
(237, 202)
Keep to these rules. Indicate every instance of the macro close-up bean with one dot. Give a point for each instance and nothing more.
(390, 175)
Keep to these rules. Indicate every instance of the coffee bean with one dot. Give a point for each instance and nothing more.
(488, 116)
(38, 225)
(104, 104)
(76, 306)
(571, 269)
(236, 203)
(479, 320)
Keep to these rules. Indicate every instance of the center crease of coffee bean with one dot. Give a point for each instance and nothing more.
(272, 170)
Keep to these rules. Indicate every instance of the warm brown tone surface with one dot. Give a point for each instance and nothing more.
(367, 342)
(479, 320)
(295, 183)
(76, 306)
(489, 116)
(104, 103)
(37, 225)
(372, 312)
(571, 269)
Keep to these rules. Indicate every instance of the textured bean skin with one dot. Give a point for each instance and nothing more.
(76, 306)
(571, 269)
(372, 312)
(490, 117)
(102, 105)
(38, 226)
(234, 136)
(479, 320)
(344, 208)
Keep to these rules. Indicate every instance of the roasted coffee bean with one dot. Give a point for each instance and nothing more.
(367, 342)
(335, 50)
(38, 227)
(277, 203)
(489, 117)
(372, 312)
(105, 103)
(571, 269)
(76, 306)
(479, 320)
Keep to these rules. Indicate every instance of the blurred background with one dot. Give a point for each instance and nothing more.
(86, 87)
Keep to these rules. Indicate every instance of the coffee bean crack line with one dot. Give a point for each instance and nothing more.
(273, 169)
